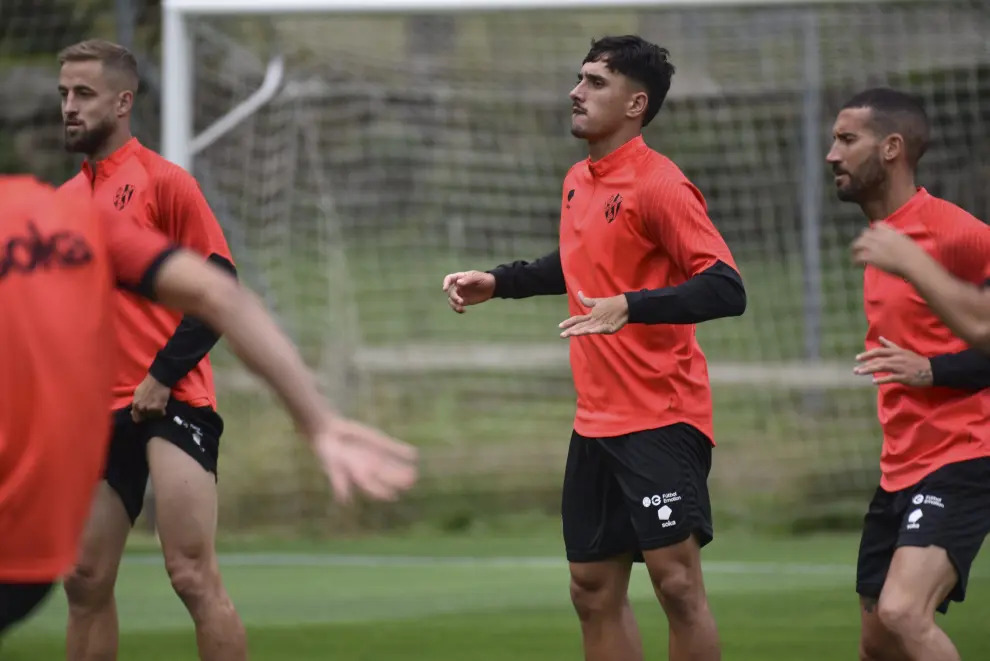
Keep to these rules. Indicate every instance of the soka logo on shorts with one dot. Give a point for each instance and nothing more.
(913, 519)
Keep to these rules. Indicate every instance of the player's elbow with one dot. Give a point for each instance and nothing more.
(735, 300)
(722, 288)
(197, 288)
(732, 292)
(979, 336)
(972, 320)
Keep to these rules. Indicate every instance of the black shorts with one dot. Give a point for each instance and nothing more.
(635, 493)
(196, 430)
(18, 600)
(950, 509)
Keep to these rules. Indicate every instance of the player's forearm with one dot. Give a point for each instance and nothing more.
(543, 277)
(264, 349)
(713, 294)
(186, 283)
(964, 308)
(190, 343)
(966, 370)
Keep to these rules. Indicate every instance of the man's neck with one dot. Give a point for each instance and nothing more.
(599, 149)
(115, 142)
(889, 200)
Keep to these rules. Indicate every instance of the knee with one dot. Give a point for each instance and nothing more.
(194, 576)
(595, 596)
(679, 592)
(88, 586)
(903, 617)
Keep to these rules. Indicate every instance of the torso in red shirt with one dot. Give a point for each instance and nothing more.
(136, 185)
(634, 221)
(58, 263)
(927, 428)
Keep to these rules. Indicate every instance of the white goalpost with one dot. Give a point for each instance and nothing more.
(367, 147)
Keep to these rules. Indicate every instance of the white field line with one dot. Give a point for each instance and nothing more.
(332, 560)
(283, 560)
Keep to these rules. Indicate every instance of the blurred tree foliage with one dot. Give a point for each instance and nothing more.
(31, 33)
(35, 27)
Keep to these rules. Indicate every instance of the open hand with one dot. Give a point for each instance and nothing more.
(607, 316)
(899, 365)
(359, 458)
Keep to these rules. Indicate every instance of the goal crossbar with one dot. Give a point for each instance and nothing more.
(246, 7)
(177, 51)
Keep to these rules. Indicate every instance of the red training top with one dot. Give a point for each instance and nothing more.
(57, 269)
(136, 185)
(927, 428)
(633, 222)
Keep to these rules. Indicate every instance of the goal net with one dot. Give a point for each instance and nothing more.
(401, 146)
(356, 157)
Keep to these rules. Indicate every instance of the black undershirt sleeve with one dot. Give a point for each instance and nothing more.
(714, 293)
(966, 370)
(190, 343)
(543, 277)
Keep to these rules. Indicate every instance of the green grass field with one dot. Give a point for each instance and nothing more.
(488, 596)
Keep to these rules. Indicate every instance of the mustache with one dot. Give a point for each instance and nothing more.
(836, 170)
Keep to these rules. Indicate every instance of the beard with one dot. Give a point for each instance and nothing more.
(864, 182)
(88, 141)
(579, 128)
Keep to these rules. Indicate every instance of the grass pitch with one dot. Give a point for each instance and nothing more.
(488, 596)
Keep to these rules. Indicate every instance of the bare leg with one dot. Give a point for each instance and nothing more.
(599, 592)
(93, 629)
(919, 579)
(679, 584)
(186, 509)
(876, 643)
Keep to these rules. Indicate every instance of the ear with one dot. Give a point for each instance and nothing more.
(892, 147)
(125, 102)
(637, 104)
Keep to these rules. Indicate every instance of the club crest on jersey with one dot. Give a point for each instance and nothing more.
(612, 207)
(123, 196)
